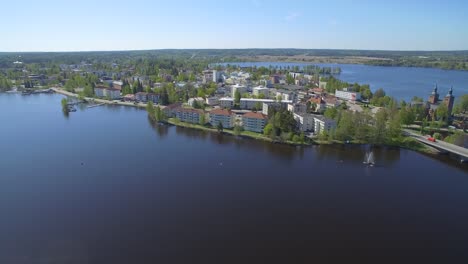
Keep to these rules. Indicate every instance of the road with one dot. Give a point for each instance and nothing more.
(463, 152)
(114, 102)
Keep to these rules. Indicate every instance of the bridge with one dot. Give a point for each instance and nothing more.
(440, 145)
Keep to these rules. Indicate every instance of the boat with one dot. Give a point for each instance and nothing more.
(369, 159)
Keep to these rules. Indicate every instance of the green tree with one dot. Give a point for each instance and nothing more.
(379, 132)
(462, 104)
(237, 130)
(64, 103)
(442, 112)
(289, 79)
(268, 129)
(331, 113)
(202, 119)
(237, 97)
(407, 116)
(150, 109)
(159, 114)
(219, 127)
(345, 126)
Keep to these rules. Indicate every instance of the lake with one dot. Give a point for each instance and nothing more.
(106, 185)
(399, 82)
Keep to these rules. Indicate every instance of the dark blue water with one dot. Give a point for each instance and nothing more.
(399, 82)
(105, 185)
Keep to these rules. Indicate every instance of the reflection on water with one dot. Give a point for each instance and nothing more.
(151, 193)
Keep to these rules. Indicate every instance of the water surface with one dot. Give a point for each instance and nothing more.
(399, 82)
(105, 185)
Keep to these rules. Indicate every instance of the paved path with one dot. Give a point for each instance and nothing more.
(115, 102)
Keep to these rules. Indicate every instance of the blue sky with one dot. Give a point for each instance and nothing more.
(82, 25)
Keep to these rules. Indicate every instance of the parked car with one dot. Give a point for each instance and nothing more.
(431, 139)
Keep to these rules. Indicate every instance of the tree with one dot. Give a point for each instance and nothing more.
(423, 125)
(379, 132)
(237, 97)
(379, 93)
(345, 127)
(237, 130)
(407, 116)
(150, 109)
(202, 119)
(267, 130)
(159, 114)
(331, 113)
(219, 127)
(289, 79)
(442, 112)
(462, 104)
(65, 108)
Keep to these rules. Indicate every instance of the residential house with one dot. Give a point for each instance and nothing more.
(348, 95)
(275, 105)
(250, 103)
(305, 121)
(225, 116)
(241, 88)
(196, 100)
(129, 97)
(212, 101)
(331, 101)
(99, 91)
(322, 124)
(152, 97)
(320, 104)
(254, 121)
(261, 90)
(112, 93)
(141, 97)
(117, 85)
(297, 108)
(169, 111)
(188, 115)
(226, 102)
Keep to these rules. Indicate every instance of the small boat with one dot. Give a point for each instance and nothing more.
(369, 159)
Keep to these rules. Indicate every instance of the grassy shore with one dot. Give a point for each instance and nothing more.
(247, 134)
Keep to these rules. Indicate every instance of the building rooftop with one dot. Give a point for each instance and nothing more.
(256, 115)
(221, 112)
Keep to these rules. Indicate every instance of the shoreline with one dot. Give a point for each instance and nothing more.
(418, 147)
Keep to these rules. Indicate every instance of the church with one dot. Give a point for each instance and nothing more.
(434, 101)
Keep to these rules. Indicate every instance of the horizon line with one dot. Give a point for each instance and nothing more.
(205, 49)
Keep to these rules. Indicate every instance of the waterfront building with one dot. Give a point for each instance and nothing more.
(225, 116)
(142, 97)
(169, 111)
(152, 97)
(322, 124)
(112, 93)
(253, 121)
(305, 121)
(188, 115)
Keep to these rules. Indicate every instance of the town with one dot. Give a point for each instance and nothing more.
(291, 104)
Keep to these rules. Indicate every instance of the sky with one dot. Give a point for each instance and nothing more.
(86, 25)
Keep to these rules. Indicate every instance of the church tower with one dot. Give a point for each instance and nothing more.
(434, 97)
(448, 100)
